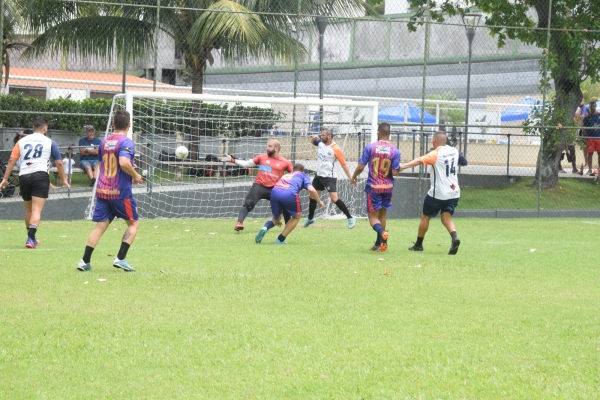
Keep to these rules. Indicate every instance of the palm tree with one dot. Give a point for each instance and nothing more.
(11, 24)
(202, 29)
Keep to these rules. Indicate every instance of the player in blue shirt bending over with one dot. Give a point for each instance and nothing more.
(285, 197)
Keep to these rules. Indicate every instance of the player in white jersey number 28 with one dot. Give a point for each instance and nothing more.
(444, 192)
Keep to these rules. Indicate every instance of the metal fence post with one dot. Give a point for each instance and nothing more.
(508, 156)
(545, 76)
(423, 90)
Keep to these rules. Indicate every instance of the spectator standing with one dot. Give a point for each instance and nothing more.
(592, 121)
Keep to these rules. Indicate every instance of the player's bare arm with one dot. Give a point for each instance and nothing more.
(314, 138)
(349, 175)
(60, 167)
(239, 163)
(312, 192)
(9, 167)
(414, 163)
(359, 169)
(125, 164)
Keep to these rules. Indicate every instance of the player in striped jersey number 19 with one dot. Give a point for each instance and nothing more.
(383, 159)
(444, 193)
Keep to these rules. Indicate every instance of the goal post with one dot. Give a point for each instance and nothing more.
(209, 125)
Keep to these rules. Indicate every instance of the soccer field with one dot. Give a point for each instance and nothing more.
(211, 314)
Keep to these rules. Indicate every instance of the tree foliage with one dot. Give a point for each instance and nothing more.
(451, 114)
(202, 29)
(573, 54)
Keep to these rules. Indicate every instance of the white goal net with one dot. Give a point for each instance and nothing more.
(199, 186)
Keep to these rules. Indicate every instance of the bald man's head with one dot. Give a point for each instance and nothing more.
(273, 148)
(440, 138)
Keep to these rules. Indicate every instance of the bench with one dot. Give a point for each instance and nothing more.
(54, 170)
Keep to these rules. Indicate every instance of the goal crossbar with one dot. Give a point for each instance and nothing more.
(130, 95)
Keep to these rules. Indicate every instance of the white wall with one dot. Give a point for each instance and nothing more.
(396, 6)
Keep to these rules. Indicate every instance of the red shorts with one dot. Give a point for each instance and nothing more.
(593, 145)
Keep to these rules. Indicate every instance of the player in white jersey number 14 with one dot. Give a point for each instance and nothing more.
(444, 193)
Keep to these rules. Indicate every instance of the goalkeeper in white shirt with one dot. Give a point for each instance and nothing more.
(444, 193)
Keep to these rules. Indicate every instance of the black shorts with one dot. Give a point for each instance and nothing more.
(432, 206)
(36, 184)
(322, 183)
(258, 192)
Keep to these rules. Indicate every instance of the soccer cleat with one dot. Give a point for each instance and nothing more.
(277, 241)
(82, 266)
(384, 237)
(382, 248)
(31, 243)
(310, 222)
(351, 223)
(37, 242)
(415, 248)
(123, 265)
(375, 247)
(239, 226)
(454, 248)
(261, 234)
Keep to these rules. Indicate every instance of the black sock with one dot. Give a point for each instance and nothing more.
(123, 251)
(343, 207)
(419, 241)
(378, 240)
(31, 231)
(312, 206)
(281, 238)
(454, 235)
(87, 254)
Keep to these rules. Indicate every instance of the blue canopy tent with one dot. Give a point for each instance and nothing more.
(520, 112)
(396, 114)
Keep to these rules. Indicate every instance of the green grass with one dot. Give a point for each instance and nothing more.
(210, 314)
(570, 194)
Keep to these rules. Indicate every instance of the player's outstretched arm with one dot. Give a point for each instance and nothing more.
(125, 164)
(414, 163)
(240, 163)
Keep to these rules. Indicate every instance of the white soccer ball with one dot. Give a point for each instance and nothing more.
(145, 172)
(181, 152)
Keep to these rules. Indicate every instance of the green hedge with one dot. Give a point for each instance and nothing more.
(30, 108)
(170, 117)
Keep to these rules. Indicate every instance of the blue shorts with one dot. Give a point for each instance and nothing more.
(109, 209)
(377, 201)
(88, 163)
(284, 200)
(431, 206)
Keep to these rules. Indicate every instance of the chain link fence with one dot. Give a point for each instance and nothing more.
(505, 87)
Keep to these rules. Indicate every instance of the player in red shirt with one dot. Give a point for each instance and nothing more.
(271, 167)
